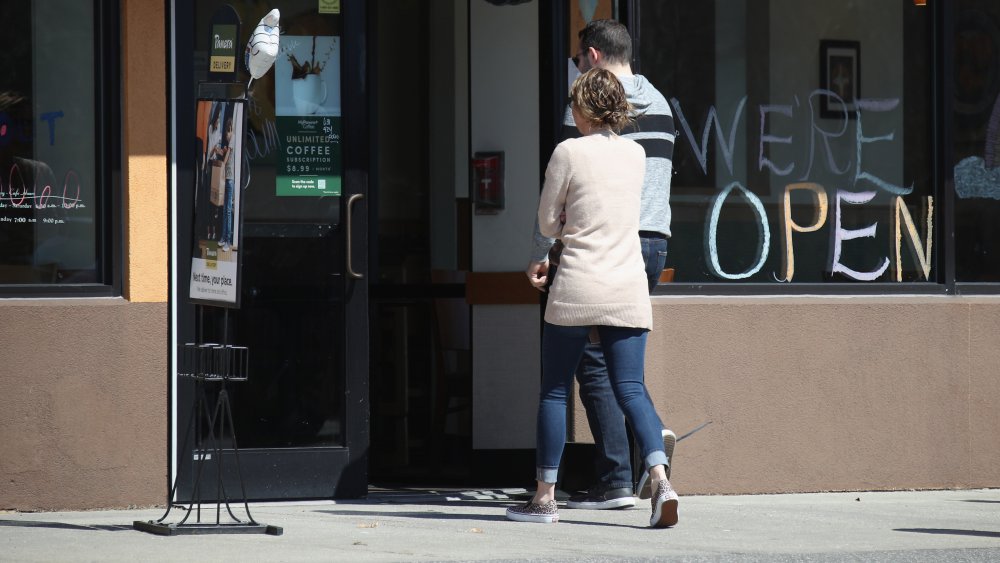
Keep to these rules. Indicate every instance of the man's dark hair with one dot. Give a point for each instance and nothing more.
(610, 38)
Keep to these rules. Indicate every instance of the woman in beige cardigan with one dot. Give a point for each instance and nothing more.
(591, 203)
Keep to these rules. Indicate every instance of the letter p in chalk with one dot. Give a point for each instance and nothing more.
(788, 225)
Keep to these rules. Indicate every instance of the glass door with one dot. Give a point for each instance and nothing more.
(301, 417)
(421, 367)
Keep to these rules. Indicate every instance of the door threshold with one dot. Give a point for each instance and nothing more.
(422, 495)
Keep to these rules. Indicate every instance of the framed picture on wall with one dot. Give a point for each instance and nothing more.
(840, 73)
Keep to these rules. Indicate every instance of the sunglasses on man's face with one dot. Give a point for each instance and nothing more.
(577, 58)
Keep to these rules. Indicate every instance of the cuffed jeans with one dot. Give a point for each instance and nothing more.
(227, 213)
(607, 423)
(624, 350)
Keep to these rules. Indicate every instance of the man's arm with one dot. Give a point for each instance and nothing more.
(540, 245)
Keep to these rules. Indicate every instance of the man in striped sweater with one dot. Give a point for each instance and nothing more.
(607, 44)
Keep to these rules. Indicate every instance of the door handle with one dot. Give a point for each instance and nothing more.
(350, 211)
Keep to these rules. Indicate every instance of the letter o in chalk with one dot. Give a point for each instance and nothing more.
(713, 226)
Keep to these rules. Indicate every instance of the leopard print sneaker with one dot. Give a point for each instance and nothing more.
(545, 513)
(669, 441)
(664, 503)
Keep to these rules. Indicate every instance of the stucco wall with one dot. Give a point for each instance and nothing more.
(144, 125)
(82, 404)
(814, 393)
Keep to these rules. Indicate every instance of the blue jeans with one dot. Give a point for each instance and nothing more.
(625, 351)
(227, 214)
(607, 423)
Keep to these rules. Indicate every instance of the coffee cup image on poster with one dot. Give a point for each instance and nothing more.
(308, 116)
(307, 75)
(215, 248)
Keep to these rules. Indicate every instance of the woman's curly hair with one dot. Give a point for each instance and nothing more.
(600, 98)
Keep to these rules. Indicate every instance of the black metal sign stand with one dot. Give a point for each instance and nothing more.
(210, 365)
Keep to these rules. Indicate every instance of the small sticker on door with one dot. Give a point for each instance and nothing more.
(329, 6)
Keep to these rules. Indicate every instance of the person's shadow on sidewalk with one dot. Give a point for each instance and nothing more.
(428, 515)
(979, 533)
(431, 514)
(64, 526)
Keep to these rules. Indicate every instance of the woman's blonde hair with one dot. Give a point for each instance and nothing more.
(600, 98)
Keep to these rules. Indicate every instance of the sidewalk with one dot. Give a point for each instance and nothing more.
(470, 525)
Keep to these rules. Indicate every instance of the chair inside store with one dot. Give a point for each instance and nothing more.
(452, 412)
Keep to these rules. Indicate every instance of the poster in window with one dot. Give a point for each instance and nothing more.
(840, 72)
(582, 12)
(215, 257)
(308, 116)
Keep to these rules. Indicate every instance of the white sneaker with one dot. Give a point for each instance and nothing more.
(669, 441)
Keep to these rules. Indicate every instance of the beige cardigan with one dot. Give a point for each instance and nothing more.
(601, 279)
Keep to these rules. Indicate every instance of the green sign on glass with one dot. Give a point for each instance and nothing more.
(222, 57)
(309, 162)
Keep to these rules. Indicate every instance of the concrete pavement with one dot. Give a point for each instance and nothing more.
(470, 526)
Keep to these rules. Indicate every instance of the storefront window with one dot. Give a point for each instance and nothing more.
(803, 150)
(50, 197)
(976, 114)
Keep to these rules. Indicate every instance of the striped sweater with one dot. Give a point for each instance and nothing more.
(654, 131)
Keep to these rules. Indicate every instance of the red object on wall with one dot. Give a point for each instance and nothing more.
(488, 182)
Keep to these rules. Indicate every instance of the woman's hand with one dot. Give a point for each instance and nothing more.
(537, 273)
